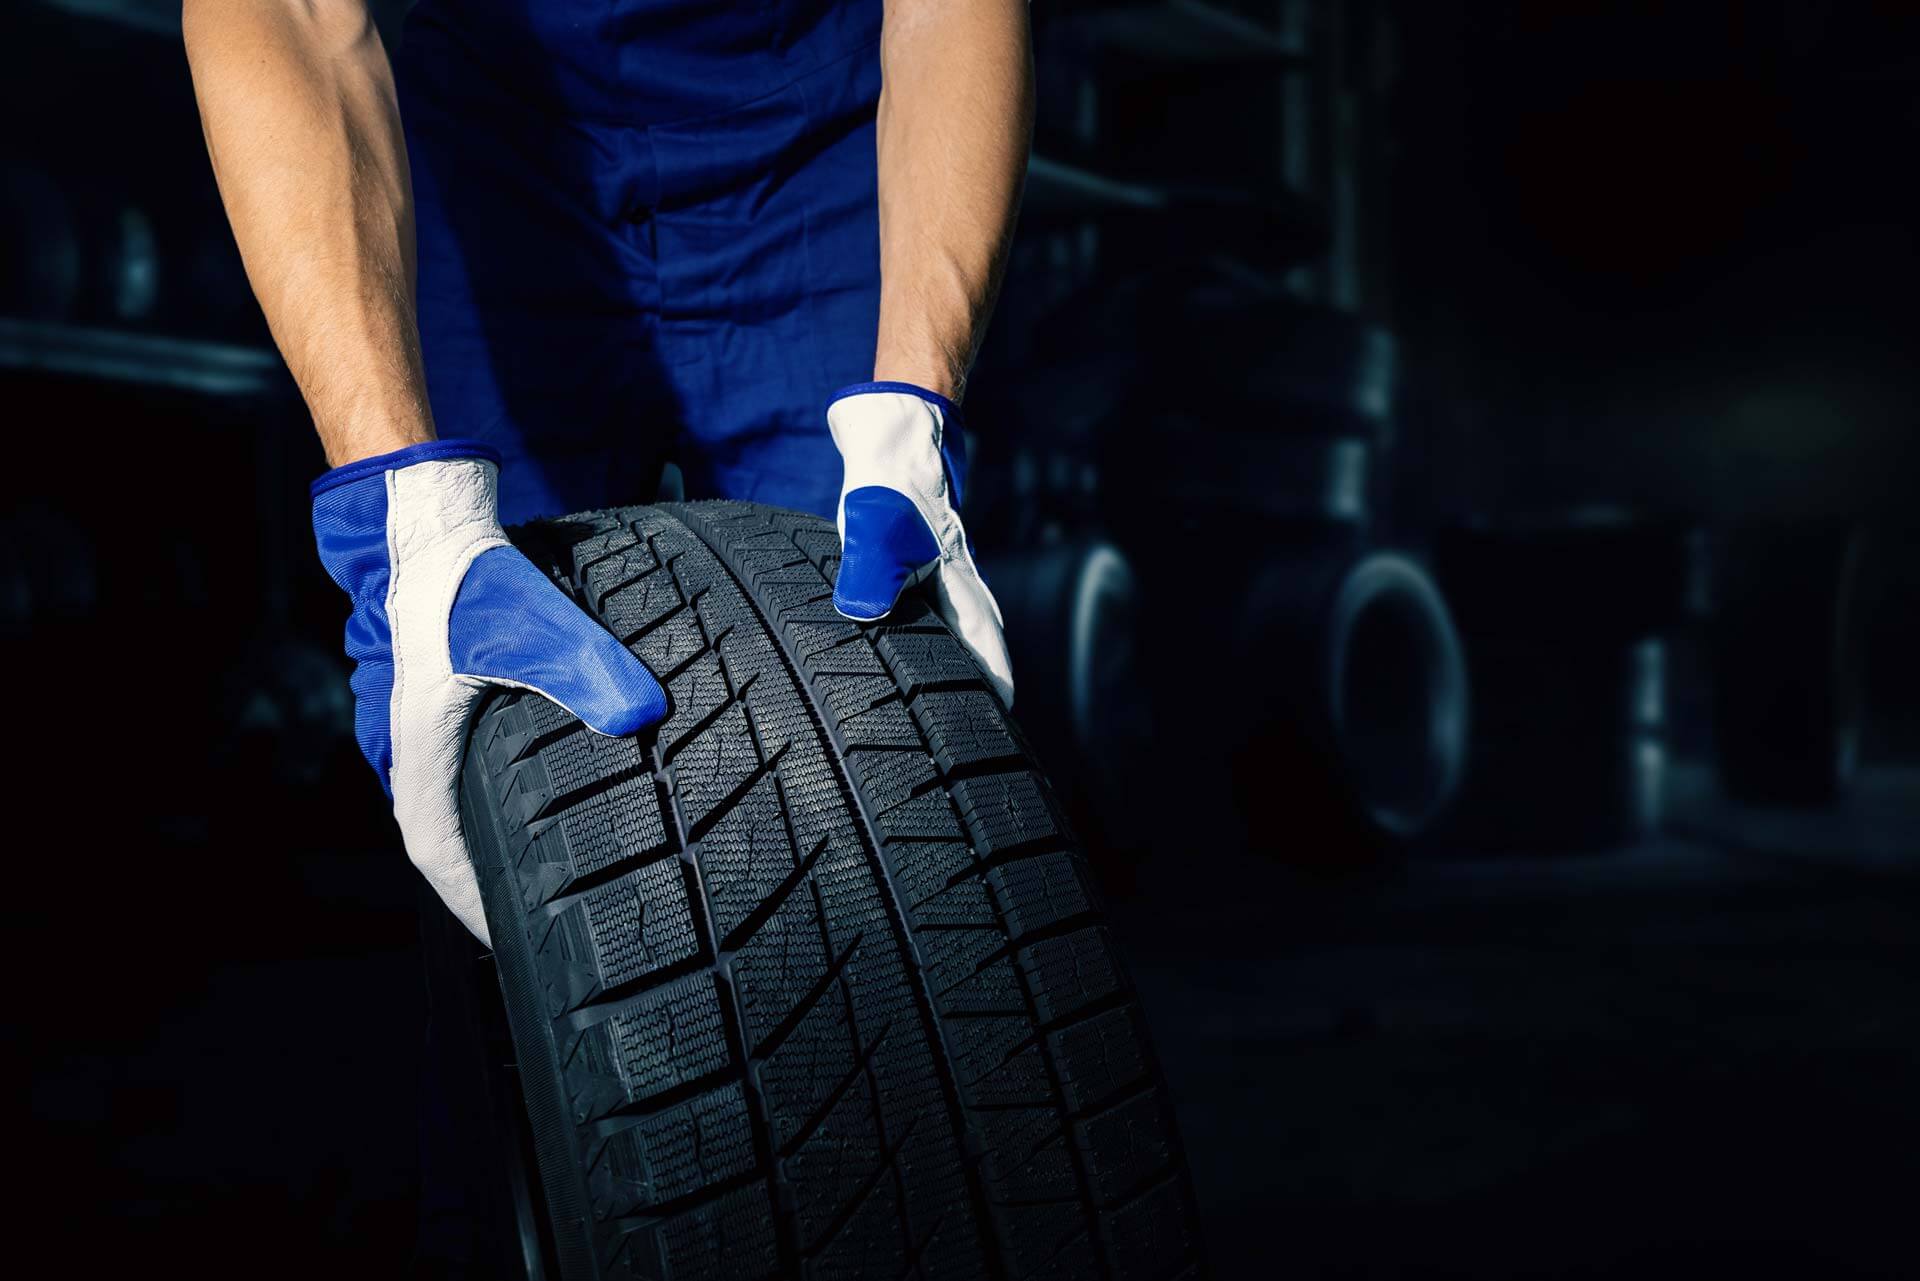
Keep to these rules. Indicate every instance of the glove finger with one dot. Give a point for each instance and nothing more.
(510, 626)
(426, 800)
(453, 879)
(961, 598)
(885, 546)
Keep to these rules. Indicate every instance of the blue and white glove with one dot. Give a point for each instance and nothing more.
(905, 459)
(443, 607)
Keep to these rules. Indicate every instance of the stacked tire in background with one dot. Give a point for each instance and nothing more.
(1357, 742)
(1314, 679)
(1570, 617)
(812, 981)
(1074, 611)
(1789, 649)
(139, 244)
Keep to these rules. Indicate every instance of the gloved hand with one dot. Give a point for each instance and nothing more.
(444, 606)
(905, 459)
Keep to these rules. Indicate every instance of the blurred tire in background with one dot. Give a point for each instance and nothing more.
(1355, 732)
(1565, 616)
(49, 574)
(1789, 651)
(1072, 609)
(39, 246)
(1313, 681)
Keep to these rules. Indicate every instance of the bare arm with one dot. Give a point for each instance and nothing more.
(297, 102)
(956, 116)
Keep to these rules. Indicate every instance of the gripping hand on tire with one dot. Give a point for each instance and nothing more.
(905, 459)
(443, 607)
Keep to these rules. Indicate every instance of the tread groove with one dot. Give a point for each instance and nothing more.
(818, 1116)
(751, 924)
(896, 911)
(814, 995)
(874, 1023)
(626, 1114)
(709, 820)
(733, 1017)
(627, 1224)
(585, 883)
(560, 802)
(846, 1212)
(706, 722)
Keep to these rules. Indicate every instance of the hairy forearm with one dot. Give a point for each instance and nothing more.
(296, 100)
(956, 112)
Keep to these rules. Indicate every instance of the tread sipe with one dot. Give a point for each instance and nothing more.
(811, 981)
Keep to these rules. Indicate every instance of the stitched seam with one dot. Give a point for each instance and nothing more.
(947, 407)
(463, 557)
(426, 451)
(393, 632)
(946, 415)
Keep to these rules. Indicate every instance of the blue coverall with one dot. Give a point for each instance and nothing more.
(647, 230)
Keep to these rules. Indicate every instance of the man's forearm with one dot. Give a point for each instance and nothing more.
(297, 103)
(956, 112)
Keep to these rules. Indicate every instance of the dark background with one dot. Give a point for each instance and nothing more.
(1571, 345)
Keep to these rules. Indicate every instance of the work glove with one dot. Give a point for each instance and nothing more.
(443, 607)
(905, 457)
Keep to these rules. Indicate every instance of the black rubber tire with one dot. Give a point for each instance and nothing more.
(810, 981)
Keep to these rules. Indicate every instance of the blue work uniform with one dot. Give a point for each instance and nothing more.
(647, 230)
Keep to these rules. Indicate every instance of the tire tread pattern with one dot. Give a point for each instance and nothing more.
(812, 980)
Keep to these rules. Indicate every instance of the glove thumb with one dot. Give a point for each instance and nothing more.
(511, 626)
(885, 549)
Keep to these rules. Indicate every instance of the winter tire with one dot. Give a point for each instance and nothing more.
(811, 980)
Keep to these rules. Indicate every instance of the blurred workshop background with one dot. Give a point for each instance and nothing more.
(1450, 470)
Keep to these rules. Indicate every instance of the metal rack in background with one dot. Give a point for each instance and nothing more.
(128, 332)
(1191, 391)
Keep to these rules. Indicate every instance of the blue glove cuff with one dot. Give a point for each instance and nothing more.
(949, 411)
(426, 451)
